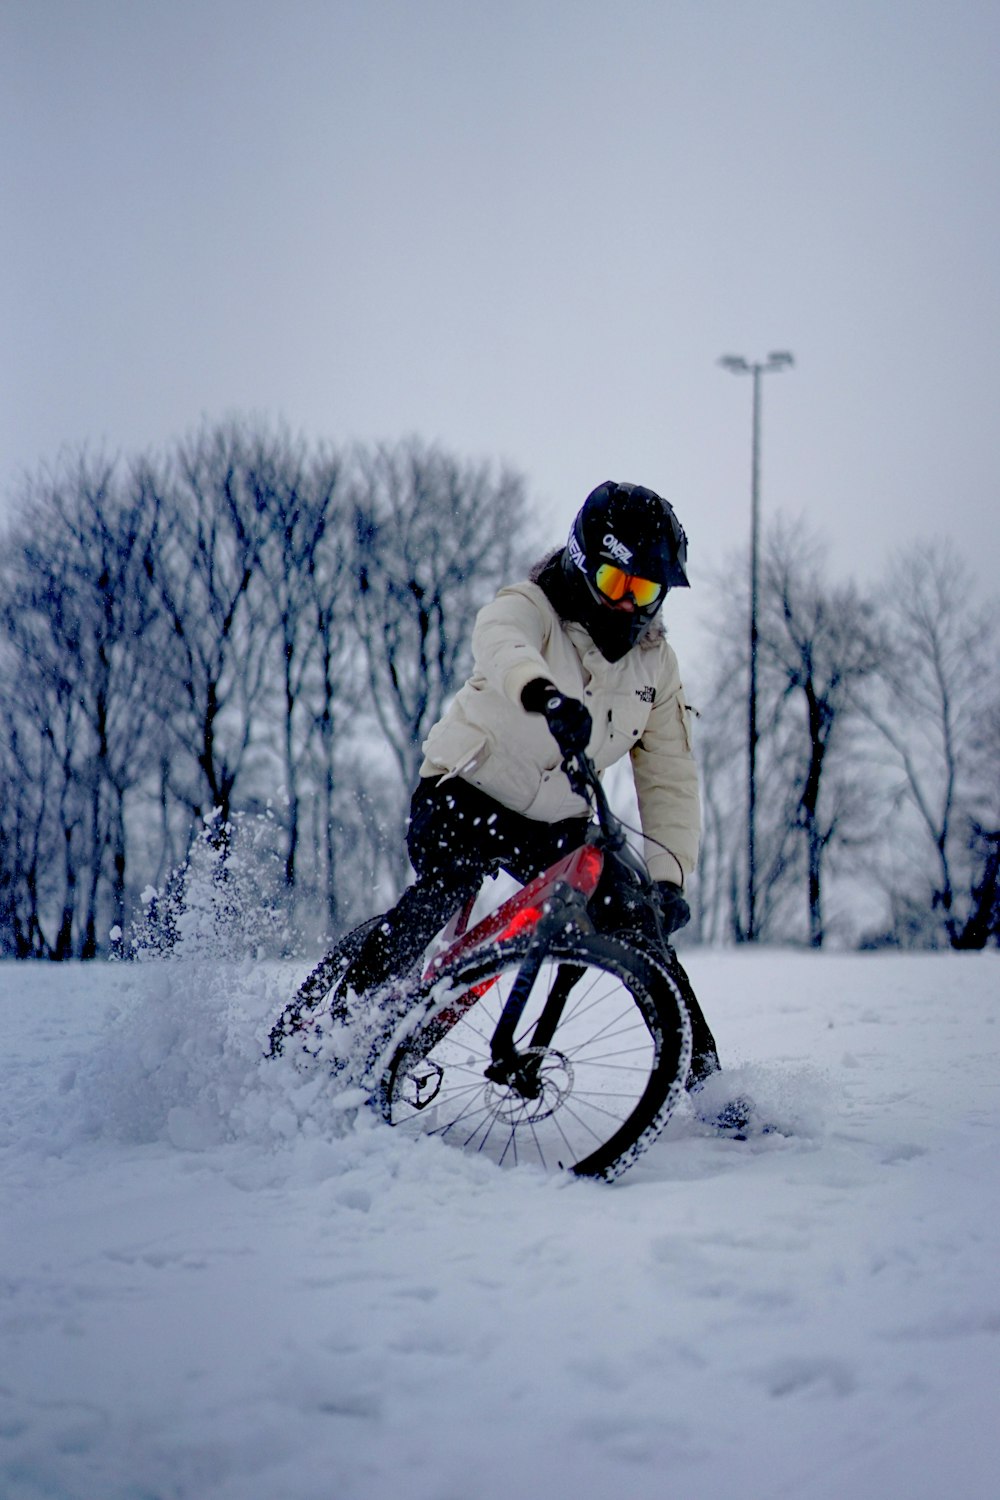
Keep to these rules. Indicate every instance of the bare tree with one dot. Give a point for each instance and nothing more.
(113, 532)
(76, 612)
(934, 706)
(183, 641)
(433, 537)
(817, 642)
(30, 844)
(336, 688)
(720, 749)
(306, 564)
(982, 921)
(45, 620)
(298, 500)
(205, 569)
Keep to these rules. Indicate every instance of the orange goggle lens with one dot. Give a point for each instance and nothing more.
(615, 584)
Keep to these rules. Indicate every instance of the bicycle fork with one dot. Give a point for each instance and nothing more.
(521, 1070)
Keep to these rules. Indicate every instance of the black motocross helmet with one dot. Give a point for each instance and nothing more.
(626, 539)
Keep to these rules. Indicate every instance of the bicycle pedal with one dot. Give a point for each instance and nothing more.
(422, 1084)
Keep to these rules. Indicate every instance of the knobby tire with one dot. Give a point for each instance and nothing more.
(609, 1076)
(315, 999)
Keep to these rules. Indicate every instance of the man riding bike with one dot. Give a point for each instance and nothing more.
(573, 659)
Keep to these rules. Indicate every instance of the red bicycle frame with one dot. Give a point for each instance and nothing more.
(580, 870)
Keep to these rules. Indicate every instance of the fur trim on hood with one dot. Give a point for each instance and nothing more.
(539, 567)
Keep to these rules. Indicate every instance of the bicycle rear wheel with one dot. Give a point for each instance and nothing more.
(607, 1076)
(316, 1001)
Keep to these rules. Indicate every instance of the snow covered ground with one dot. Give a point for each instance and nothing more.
(218, 1286)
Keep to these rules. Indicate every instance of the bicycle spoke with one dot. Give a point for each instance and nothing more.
(582, 1087)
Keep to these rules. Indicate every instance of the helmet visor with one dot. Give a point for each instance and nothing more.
(614, 583)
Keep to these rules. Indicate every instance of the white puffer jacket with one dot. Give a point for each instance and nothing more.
(637, 706)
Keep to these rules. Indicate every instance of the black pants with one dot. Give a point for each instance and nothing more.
(456, 836)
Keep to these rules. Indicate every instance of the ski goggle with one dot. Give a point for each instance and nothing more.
(614, 583)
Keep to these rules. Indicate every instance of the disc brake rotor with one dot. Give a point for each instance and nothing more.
(554, 1073)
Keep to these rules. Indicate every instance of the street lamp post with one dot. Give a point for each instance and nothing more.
(737, 365)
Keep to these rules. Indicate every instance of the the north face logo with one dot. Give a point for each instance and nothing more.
(646, 694)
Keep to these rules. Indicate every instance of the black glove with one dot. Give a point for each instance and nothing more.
(568, 719)
(674, 910)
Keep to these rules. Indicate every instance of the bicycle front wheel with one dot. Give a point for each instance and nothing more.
(606, 1061)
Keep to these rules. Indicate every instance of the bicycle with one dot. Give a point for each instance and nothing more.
(529, 1037)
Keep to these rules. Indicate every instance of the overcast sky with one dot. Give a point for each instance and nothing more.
(524, 228)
